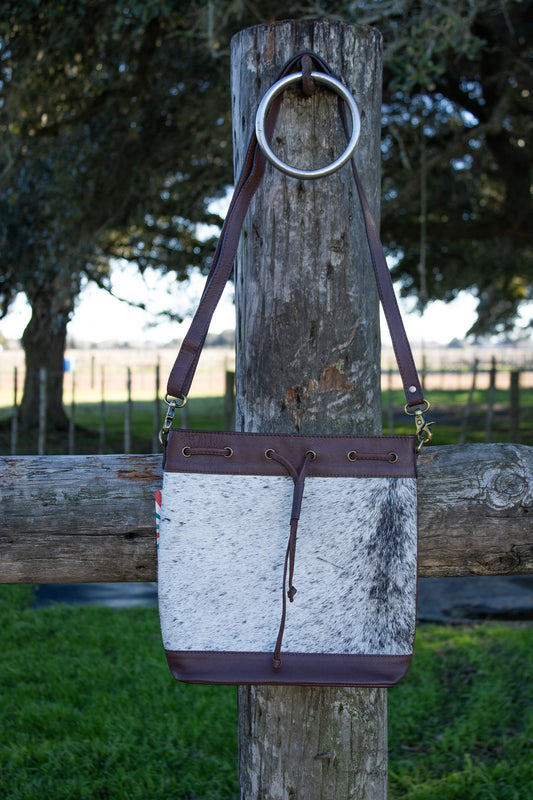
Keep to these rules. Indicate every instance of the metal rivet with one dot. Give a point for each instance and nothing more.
(412, 389)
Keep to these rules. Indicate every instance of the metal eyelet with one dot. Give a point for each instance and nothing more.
(393, 458)
(229, 452)
(186, 451)
(311, 453)
(270, 450)
(352, 455)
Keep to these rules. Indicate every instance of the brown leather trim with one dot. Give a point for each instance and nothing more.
(248, 454)
(302, 669)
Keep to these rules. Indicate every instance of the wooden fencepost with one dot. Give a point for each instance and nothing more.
(390, 405)
(229, 401)
(14, 414)
(127, 413)
(101, 431)
(157, 409)
(72, 418)
(514, 403)
(468, 406)
(41, 439)
(308, 360)
(490, 401)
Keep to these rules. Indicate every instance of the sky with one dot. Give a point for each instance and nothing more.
(99, 317)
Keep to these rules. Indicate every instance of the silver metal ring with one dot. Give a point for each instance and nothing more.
(266, 102)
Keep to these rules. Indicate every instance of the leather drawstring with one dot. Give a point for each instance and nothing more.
(299, 480)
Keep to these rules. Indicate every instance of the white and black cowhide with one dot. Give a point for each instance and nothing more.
(220, 564)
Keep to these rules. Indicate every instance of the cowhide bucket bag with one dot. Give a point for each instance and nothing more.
(288, 559)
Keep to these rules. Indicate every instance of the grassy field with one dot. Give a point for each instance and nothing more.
(88, 709)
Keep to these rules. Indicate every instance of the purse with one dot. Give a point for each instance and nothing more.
(287, 558)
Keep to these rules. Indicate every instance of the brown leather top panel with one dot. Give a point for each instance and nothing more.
(246, 454)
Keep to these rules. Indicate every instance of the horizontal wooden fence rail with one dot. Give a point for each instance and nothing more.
(91, 518)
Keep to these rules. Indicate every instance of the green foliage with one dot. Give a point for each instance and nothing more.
(103, 154)
(116, 134)
(457, 163)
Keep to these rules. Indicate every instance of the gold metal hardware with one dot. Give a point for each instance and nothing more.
(423, 432)
(426, 405)
(173, 403)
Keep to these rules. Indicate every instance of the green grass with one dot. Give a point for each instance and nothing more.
(203, 413)
(447, 409)
(88, 709)
(461, 724)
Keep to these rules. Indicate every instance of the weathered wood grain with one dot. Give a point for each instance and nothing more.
(91, 518)
(308, 360)
(476, 510)
(78, 518)
(308, 345)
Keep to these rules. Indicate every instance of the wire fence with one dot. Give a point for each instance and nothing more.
(135, 380)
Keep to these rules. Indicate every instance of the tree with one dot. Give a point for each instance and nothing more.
(103, 155)
(457, 154)
(115, 135)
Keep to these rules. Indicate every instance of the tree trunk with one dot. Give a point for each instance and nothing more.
(308, 360)
(44, 341)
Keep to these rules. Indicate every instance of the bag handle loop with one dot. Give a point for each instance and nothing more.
(182, 372)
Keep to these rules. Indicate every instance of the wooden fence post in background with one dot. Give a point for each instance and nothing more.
(229, 401)
(41, 440)
(101, 432)
(390, 405)
(127, 413)
(157, 409)
(468, 406)
(308, 360)
(15, 414)
(72, 418)
(514, 403)
(490, 401)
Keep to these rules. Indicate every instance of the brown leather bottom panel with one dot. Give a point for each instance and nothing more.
(303, 669)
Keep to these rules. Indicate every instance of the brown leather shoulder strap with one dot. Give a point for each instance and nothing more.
(182, 373)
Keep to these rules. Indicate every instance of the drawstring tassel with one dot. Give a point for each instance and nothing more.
(290, 555)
